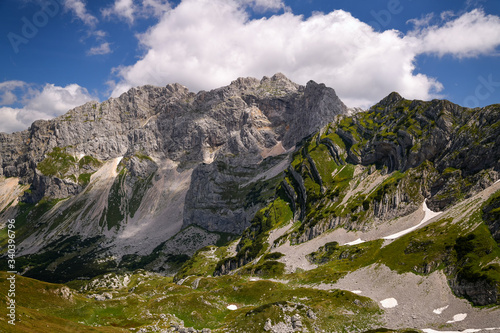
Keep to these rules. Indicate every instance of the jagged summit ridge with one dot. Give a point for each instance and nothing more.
(168, 120)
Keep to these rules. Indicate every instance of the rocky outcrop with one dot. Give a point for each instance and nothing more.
(300, 191)
(401, 134)
(336, 152)
(479, 292)
(491, 215)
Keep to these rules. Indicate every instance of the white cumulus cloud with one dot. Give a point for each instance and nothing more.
(124, 9)
(205, 44)
(129, 10)
(264, 5)
(10, 123)
(470, 35)
(155, 7)
(79, 9)
(423, 21)
(7, 88)
(102, 49)
(47, 103)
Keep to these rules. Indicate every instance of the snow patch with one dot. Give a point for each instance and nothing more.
(440, 310)
(356, 242)
(457, 317)
(232, 307)
(356, 291)
(253, 279)
(389, 303)
(429, 214)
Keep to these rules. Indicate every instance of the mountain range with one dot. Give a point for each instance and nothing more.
(304, 214)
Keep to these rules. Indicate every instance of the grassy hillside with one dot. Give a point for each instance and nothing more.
(148, 301)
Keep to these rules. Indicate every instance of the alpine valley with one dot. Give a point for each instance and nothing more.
(262, 206)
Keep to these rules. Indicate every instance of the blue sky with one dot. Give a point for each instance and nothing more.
(58, 54)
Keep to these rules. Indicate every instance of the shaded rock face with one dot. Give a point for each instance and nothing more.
(276, 115)
(479, 292)
(491, 215)
(225, 195)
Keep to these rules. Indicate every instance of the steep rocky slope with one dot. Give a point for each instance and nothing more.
(118, 183)
(369, 175)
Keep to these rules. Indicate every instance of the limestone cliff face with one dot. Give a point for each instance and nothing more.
(246, 119)
(131, 172)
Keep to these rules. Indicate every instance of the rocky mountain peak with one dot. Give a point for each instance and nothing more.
(281, 81)
(177, 88)
(164, 157)
(391, 99)
(245, 83)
